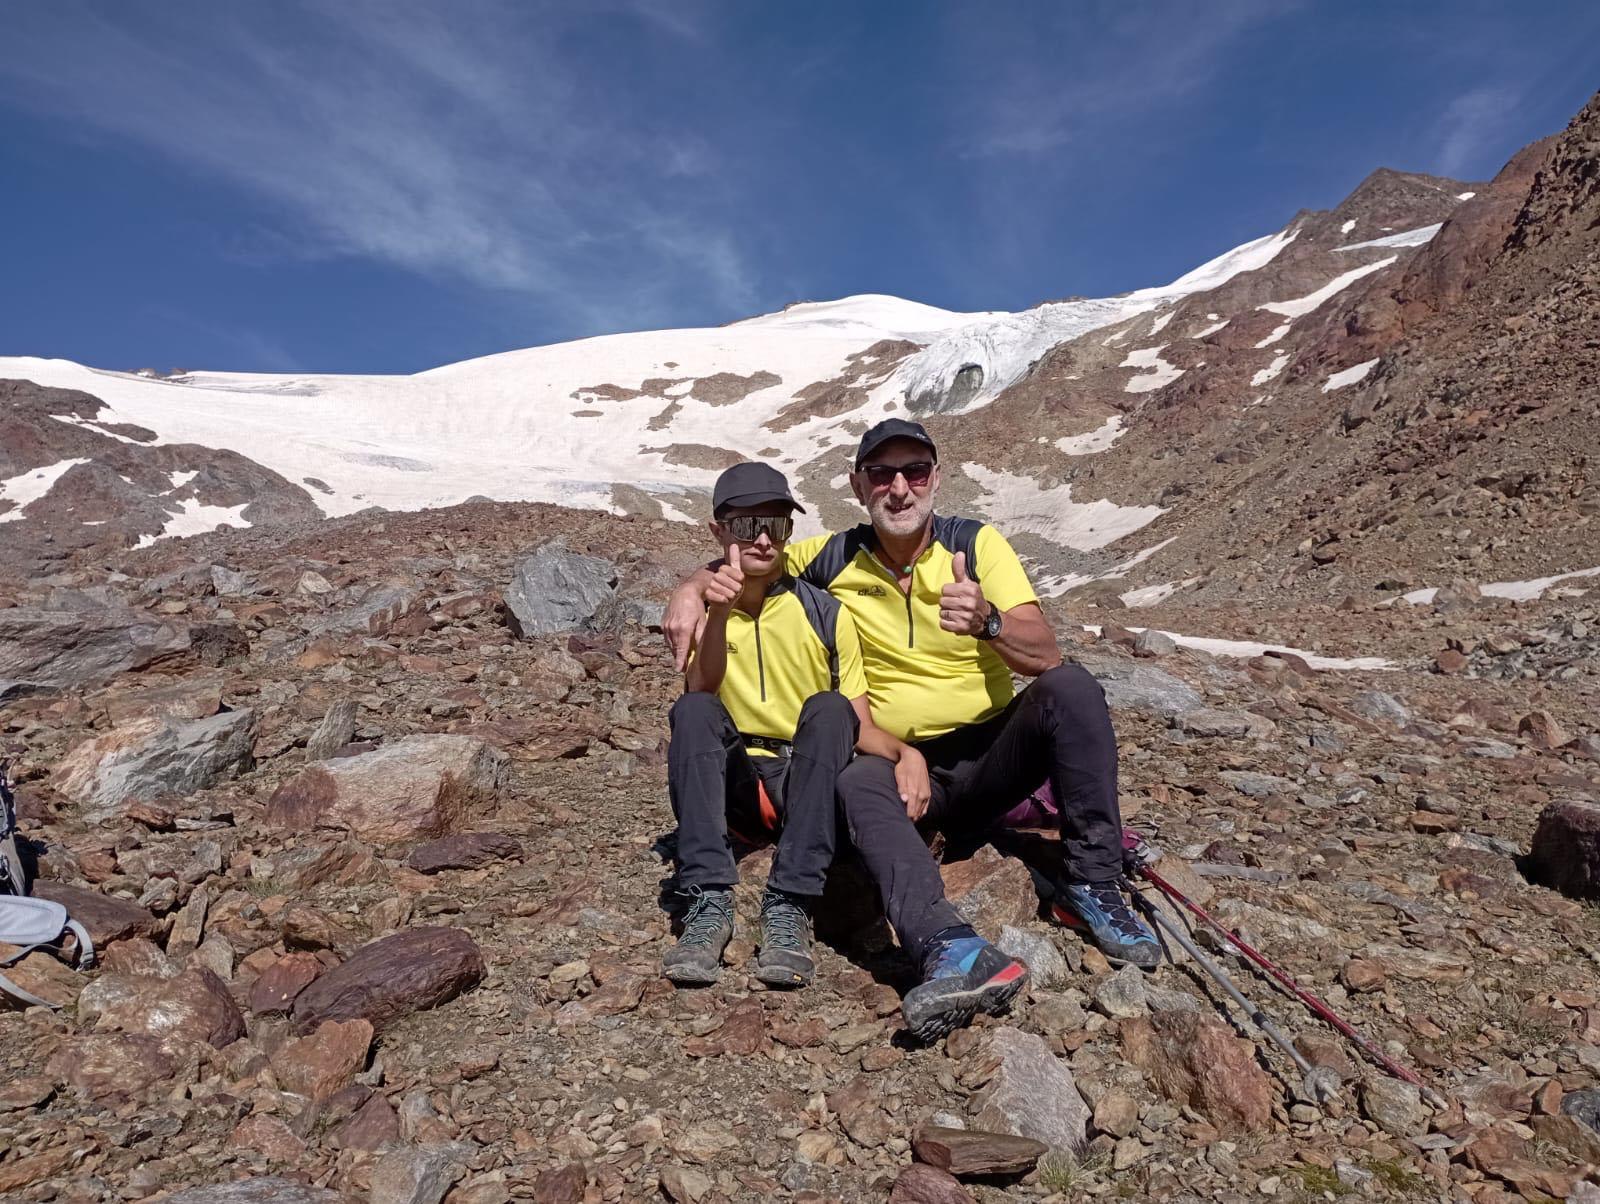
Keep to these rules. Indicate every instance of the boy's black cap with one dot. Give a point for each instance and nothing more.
(750, 485)
(893, 428)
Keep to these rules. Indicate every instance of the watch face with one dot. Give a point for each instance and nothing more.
(991, 627)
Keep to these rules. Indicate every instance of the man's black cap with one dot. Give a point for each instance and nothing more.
(750, 485)
(893, 428)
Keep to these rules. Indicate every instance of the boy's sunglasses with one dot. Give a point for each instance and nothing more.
(747, 528)
(916, 473)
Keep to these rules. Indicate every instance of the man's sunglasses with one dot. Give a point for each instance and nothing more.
(747, 528)
(916, 473)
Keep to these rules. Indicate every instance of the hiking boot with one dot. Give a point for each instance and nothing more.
(1099, 910)
(785, 959)
(696, 960)
(965, 975)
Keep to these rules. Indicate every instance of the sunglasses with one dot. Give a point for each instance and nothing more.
(916, 473)
(747, 528)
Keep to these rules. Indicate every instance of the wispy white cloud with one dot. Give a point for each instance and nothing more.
(463, 142)
(1113, 61)
(1472, 122)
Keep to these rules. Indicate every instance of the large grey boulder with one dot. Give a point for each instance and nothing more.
(67, 648)
(1133, 686)
(557, 590)
(154, 756)
(1032, 1094)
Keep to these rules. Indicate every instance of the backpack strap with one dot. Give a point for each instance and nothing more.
(86, 955)
(822, 612)
(12, 989)
(959, 535)
(838, 552)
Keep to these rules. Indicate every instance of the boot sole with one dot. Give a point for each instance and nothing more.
(782, 976)
(956, 1009)
(689, 976)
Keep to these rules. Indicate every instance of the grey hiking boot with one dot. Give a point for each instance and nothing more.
(785, 959)
(696, 960)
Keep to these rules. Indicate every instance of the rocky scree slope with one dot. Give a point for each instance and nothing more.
(378, 886)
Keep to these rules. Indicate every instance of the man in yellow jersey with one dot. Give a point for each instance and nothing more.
(946, 614)
(774, 703)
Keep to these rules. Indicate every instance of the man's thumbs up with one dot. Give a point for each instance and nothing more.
(961, 605)
(732, 557)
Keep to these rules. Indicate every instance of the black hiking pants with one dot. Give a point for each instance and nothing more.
(1058, 728)
(713, 784)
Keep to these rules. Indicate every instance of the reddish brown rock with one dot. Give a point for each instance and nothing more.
(965, 1152)
(323, 1064)
(1450, 661)
(281, 983)
(923, 1184)
(373, 1125)
(465, 851)
(269, 1136)
(393, 977)
(1195, 1059)
(111, 1065)
(1566, 848)
(990, 890)
(560, 1184)
(194, 1006)
(418, 786)
(106, 918)
(1542, 730)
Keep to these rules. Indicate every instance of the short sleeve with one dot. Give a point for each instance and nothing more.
(847, 643)
(1003, 579)
(798, 553)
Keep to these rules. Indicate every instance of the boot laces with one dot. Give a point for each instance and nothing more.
(783, 921)
(1109, 898)
(708, 913)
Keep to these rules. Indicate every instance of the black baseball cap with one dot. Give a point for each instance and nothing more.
(893, 428)
(750, 485)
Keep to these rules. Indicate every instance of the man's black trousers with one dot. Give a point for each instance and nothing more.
(1058, 728)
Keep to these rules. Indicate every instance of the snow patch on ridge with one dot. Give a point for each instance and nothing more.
(1162, 373)
(1097, 440)
(28, 487)
(1015, 503)
(1516, 591)
(1216, 647)
(1271, 371)
(1301, 306)
(1406, 238)
(194, 517)
(1349, 376)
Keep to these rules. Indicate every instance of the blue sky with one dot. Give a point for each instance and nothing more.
(352, 186)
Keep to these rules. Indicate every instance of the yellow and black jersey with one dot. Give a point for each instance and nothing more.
(802, 643)
(922, 680)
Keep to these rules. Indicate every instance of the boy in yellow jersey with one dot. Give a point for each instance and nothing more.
(774, 705)
(946, 615)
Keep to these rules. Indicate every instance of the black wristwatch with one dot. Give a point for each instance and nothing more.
(991, 625)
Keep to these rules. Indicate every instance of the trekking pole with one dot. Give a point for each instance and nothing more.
(1319, 1084)
(1140, 857)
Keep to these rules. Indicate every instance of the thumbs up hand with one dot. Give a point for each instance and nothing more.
(962, 607)
(723, 590)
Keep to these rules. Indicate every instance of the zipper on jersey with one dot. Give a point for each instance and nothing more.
(761, 665)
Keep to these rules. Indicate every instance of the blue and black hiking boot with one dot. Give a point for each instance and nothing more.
(785, 958)
(696, 960)
(1100, 910)
(965, 975)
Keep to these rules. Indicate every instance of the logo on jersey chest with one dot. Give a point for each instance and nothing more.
(872, 591)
